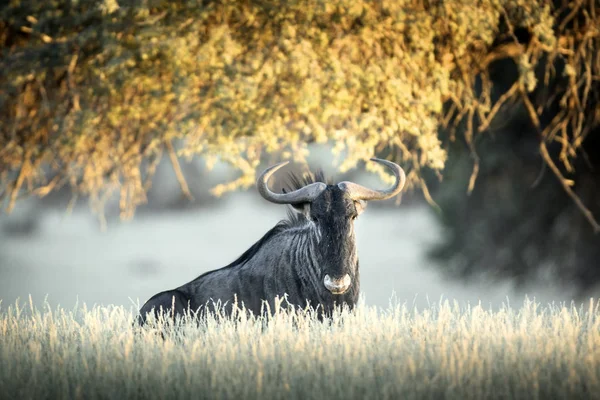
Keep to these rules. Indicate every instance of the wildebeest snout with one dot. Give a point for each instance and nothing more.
(337, 285)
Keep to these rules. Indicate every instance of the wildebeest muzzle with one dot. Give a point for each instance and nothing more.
(339, 285)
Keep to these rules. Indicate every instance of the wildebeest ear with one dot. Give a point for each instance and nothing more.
(302, 208)
(360, 206)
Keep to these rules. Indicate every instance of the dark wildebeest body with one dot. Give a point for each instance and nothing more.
(310, 258)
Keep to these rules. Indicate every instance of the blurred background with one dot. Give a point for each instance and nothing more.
(46, 250)
(131, 133)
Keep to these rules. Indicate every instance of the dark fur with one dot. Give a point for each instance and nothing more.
(287, 260)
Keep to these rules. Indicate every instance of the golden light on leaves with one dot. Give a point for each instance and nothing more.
(90, 93)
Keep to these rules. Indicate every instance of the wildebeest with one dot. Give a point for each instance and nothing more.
(311, 257)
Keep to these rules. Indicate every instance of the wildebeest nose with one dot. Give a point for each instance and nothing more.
(339, 285)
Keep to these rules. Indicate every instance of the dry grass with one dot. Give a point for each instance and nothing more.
(441, 352)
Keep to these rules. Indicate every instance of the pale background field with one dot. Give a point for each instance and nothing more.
(47, 251)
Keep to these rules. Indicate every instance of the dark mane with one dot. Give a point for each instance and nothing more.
(296, 182)
(248, 254)
(251, 252)
(293, 218)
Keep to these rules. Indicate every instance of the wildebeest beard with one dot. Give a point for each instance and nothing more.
(310, 258)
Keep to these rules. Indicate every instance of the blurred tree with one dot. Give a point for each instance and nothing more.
(93, 93)
(519, 220)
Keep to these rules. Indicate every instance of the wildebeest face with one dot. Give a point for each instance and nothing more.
(333, 214)
(332, 209)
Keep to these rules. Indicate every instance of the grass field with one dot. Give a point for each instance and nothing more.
(445, 351)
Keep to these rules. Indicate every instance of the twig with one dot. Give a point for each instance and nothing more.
(540, 176)
(71, 82)
(469, 137)
(72, 202)
(15, 189)
(474, 173)
(428, 197)
(154, 19)
(546, 156)
(424, 188)
(42, 191)
(584, 210)
(151, 169)
(508, 50)
(569, 17)
(507, 95)
(180, 178)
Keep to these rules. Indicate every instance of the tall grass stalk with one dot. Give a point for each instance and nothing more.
(444, 351)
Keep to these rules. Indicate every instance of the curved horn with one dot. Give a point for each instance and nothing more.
(359, 192)
(303, 195)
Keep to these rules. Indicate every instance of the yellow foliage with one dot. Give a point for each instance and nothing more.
(90, 92)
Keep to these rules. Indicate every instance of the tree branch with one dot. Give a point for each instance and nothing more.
(180, 178)
(546, 156)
